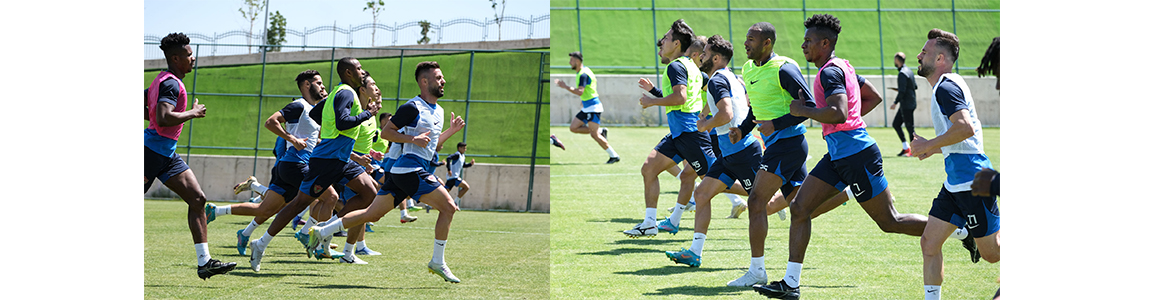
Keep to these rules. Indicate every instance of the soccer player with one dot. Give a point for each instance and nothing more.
(341, 114)
(738, 204)
(727, 101)
(959, 137)
(421, 120)
(853, 160)
(681, 98)
(588, 120)
(908, 98)
(456, 162)
(300, 132)
(365, 155)
(166, 109)
(383, 146)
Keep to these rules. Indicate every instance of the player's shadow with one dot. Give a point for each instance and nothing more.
(274, 275)
(172, 286)
(692, 290)
(351, 287)
(617, 220)
(672, 270)
(622, 251)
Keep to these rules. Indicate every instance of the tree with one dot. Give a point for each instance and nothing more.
(499, 18)
(375, 8)
(254, 7)
(426, 28)
(276, 31)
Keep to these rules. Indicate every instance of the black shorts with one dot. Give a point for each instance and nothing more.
(694, 147)
(739, 166)
(785, 158)
(589, 117)
(161, 167)
(453, 182)
(286, 177)
(861, 172)
(979, 214)
(414, 184)
(324, 172)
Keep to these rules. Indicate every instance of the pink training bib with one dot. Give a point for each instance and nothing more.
(171, 132)
(852, 91)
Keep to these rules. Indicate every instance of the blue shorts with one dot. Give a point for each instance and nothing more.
(785, 158)
(453, 182)
(739, 166)
(161, 167)
(694, 147)
(861, 172)
(324, 172)
(286, 178)
(347, 193)
(414, 184)
(715, 144)
(979, 214)
(589, 117)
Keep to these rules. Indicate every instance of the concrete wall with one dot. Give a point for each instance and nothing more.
(291, 54)
(493, 186)
(620, 94)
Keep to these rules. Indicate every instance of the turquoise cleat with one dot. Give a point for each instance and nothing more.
(685, 257)
(665, 225)
(209, 209)
(241, 241)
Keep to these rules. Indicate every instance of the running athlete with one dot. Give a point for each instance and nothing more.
(588, 120)
(166, 109)
(456, 162)
(959, 137)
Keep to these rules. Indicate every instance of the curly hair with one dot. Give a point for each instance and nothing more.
(946, 41)
(683, 34)
(827, 26)
(721, 47)
(990, 60)
(172, 42)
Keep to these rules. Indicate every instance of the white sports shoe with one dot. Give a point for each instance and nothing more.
(443, 271)
(367, 251)
(244, 186)
(737, 209)
(642, 230)
(783, 214)
(257, 254)
(748, 279)
(353, 260)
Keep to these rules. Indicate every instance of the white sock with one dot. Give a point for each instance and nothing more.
(360, 245)
(348, 250)
(259, 188)
(757, 266)
(792, 274)
(402, 213)
(676, 215)
(611, 152)
(651, 215)
(309, 223)
(256, 199)
(905, 145)
(201, 254)
(304, 212)
(735, 199)
(697, 243)
(223, 210)
(331, 227)
(251, 227)
(960, 233)
(933, 292)
(440, 247)
(265, 239)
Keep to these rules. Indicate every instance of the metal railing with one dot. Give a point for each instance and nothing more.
(540, 103)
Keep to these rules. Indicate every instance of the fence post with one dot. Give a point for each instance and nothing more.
(536, 129)
(657, 73)
(194, 85)
(580, 47)
(259, 109)
(401, 57)
(467, 101)
(882, 58)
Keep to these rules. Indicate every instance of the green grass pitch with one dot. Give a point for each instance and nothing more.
(496, 255)
(848, 256)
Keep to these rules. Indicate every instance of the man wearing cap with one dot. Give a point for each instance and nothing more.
(588, 120)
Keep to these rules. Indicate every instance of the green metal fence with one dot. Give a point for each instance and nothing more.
(502, 94)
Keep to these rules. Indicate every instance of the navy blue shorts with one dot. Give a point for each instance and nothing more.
(453, 182)
(714, 143)
(694, 147)
(739, 166)
(324, 172)
(589, 117)
(347, 193)
(785, 158)
(861, 172)
(979, 214)
(414, 184)
(286, 178)
(161, 167)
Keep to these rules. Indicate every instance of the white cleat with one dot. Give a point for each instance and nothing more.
(354, 260)
(642, 230)
(244, 186)
(257, 254)
(367, 251)
(443, 271)
(749, 279)
(782, 214)
(738, 209)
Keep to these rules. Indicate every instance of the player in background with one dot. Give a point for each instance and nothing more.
(421, 120)
(456, 162)
(166, 111)
(384, 145)
(853, 160)
(588, 120)
(959, 138)
(341, 114)
(727, 102)
(909, 100)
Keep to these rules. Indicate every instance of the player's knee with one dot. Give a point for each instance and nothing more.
(931, 246)
(990, 257)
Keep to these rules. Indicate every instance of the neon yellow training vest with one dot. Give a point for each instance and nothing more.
(694, 87)
(366, 133)
(591, 88)
(329, 120)
(769, 100)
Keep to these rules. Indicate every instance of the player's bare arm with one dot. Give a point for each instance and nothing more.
(166, 117)
(960, 130)
(834, 113)
(273, 125)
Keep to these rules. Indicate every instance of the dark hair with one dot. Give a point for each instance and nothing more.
(990, 59)
(346, 63)
(720, 46)
(461, 144)
(682, 34)
(576, 54)
(383, 116)
(900, 57)
(945, 40)
(172, 42)
(827, 26)
(767, 31)
(365, 78)
(423, 67)
(306, 76)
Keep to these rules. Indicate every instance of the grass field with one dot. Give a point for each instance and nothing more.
(627, 37)
(492, 128)
(848, 256)
(496, 255)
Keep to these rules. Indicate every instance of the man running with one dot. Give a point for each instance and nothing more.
(588, 120)
(456, 162)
